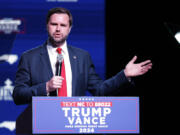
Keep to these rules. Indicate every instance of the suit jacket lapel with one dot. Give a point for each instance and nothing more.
(73, 61)
(46, 61)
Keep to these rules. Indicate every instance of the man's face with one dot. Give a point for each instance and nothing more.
(58, 28)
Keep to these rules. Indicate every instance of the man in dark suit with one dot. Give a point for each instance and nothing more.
(36, 71)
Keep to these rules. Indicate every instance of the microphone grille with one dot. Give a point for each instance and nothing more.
(60, 58)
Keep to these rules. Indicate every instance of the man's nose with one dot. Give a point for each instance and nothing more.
(58, 28)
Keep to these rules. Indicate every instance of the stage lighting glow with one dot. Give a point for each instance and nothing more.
(177, 37)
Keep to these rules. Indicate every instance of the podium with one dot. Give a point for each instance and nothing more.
(76, 115)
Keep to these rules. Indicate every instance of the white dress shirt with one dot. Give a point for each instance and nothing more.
(53, 59)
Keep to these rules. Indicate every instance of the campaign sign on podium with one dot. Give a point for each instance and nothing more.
(85, 115)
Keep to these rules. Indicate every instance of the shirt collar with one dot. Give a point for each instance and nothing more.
(53, 49)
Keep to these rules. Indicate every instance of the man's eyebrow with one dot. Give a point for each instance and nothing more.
(53, 23)
(63, 24)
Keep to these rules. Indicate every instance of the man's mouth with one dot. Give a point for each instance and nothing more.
(57, 35)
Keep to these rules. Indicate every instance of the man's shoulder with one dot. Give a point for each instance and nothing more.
(34, 51)
(77, 50)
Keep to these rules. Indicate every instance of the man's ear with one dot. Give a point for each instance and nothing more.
(70, 29)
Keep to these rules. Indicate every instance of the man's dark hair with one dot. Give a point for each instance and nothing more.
(59, 10)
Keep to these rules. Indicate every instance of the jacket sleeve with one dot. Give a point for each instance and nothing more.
(23, 90)
(109, 87)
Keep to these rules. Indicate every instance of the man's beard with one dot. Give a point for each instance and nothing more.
(54, 42)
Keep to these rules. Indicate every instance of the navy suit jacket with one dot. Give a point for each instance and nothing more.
(34, 70)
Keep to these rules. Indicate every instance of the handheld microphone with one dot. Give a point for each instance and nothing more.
(58, 67)
(59, 59)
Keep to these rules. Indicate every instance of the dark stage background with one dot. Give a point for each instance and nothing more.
(138, 28)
